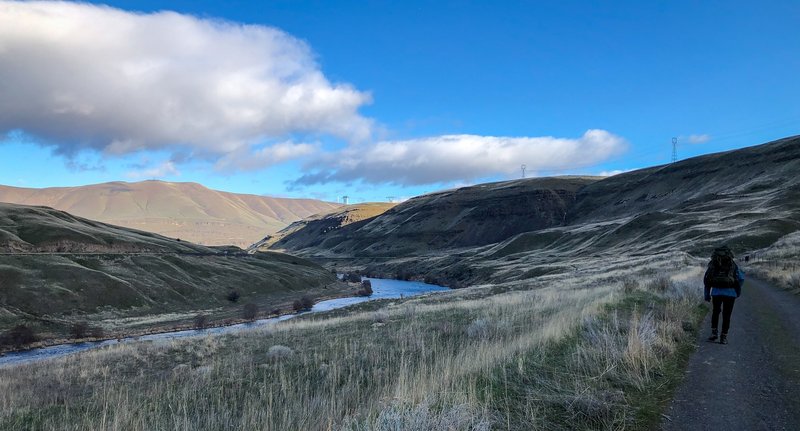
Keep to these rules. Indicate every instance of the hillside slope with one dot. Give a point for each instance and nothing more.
(310, 231)
(178, 210)
(519, 229)
(56, 268)
(466, 217)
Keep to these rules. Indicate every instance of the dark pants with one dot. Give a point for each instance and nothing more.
(724, 304)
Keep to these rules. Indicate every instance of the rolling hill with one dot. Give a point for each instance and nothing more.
(56, 268)
(187, 211)
(747, 198)
(310, 231)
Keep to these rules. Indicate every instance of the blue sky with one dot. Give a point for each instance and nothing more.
(396, 98)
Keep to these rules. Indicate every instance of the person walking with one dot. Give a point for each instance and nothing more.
(722, 284)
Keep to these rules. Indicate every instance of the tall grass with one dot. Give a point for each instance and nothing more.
(559, 351)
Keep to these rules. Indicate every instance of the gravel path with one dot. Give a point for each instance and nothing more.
(753, 383)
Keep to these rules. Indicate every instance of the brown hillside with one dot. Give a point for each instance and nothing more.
(177, 210)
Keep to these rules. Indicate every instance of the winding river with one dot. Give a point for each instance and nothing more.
(381, 289)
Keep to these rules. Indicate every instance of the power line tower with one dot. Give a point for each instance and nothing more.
(390, 199)
(523, 167)
(674, 150)
(344, 199)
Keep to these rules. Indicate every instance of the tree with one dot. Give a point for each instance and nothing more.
(250, 311)
(233, 296)
(79, 330)
(18, 336)
(303, 304)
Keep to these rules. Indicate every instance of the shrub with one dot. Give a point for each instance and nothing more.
(303, 304)
(250, 311)
(200, 321)
(366, 288)
(233, 296)
(660, 284)
(629, 285)
(479, 328)
(279, 352)
(18, 336)
(79, 330)
(380, 317)
(96, 332)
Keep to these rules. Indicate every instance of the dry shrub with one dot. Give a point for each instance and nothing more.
(200, 321)
(278, 352)
(630, 285)
(303, 304)
(250, 311)
(479, 328)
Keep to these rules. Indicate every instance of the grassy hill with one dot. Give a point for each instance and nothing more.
(178, 210)
(56, 268)
(310, 232)
(519, 229)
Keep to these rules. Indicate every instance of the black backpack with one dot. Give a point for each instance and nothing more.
(721, 269)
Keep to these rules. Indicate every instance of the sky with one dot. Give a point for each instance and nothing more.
(384, 100)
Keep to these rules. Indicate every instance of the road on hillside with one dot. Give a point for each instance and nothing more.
(753, 383)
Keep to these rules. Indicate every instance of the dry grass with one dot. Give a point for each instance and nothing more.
(564, 351)
(779, 263)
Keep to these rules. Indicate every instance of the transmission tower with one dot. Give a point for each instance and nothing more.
(523, 167)
(344, 199)
(390, 198)
(674, 150)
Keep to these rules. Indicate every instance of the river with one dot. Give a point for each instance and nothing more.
(381, 289)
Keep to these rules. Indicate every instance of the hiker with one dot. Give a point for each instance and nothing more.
(722, 285)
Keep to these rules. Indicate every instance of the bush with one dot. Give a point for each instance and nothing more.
(660, 284)
(352, 277)
(366, 288)
(96, 332)
(629, 285)
(380, 316)
(278, 351)
(303, 304)
(479, 328)
(233, 296)
(200, 321)
(18, 336)
(79, 330)
(250, 311)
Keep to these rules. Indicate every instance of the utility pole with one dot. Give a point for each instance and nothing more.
(674, 150)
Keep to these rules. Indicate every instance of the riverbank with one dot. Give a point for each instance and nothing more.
(565, 351)
(382, 289)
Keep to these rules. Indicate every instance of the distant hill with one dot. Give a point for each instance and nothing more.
(311, 231)
(747, 198)
(188, 211)
(56, 268)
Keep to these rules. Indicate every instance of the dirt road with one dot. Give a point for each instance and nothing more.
(753, 383)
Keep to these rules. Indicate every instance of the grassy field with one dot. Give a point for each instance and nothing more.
(779, 263)
(599, 348)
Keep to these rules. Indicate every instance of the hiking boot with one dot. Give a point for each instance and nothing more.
(714, 335)
(723, 339)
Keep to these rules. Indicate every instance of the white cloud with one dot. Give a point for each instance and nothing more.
(162, 170)
(81, 76)
(462, 158)
(699, 139)
(261, 158)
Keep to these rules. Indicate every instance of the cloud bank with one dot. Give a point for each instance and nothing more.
(79, 76)
(451, 158)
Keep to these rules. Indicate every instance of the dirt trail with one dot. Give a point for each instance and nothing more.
(753, 383)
